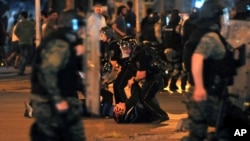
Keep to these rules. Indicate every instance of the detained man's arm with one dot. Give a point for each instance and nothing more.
(197, 72)
(55, 57)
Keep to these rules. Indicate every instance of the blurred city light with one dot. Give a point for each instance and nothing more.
(199, 3)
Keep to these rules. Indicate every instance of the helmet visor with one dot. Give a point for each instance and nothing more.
(125, 45)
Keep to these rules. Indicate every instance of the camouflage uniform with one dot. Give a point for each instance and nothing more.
(204, 114)
(54, 79)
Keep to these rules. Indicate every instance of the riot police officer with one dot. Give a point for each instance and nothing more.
(126, 70)
(54, 82)
(146, 70)
(109, 51)
(171, 36)
(142, 106)
(174, 60)
(207, 56)
(188, 28)
(109, 47)
(172, 44)
(148, 31)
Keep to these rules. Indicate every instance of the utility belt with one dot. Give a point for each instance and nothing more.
(217, 80)
(217, 86)
(213, 81)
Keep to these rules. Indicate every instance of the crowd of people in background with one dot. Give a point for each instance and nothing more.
(123, 23)
(172, 30)
(146, 63)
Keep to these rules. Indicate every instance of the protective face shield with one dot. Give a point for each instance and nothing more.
(125, 49)
(127, 45)
(119, 110)
(127, 42)
(225, 23)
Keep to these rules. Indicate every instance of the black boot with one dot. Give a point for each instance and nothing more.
(161, 119)
(173, 86)
(183, 81)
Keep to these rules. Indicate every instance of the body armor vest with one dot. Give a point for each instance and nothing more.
(224, 68)
(67, 77)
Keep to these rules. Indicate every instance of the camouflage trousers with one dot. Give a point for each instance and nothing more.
(50, 125)
(205, 114)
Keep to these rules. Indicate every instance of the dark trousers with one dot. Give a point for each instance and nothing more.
(204, 114)
(120, 83)
(148, 92)
(106, 103)
(50, 125)
(26, 52)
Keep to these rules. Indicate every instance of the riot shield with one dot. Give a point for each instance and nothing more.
(92, 70)
(239, 35)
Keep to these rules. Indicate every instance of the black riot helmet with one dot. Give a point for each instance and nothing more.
(127, 42)
(71, 19)
(194, 13)
(106, 66)
(211, 9)
(153, 17)
(210, 13)
(108, 31)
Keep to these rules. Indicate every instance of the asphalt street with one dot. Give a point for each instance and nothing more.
(15, 90)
